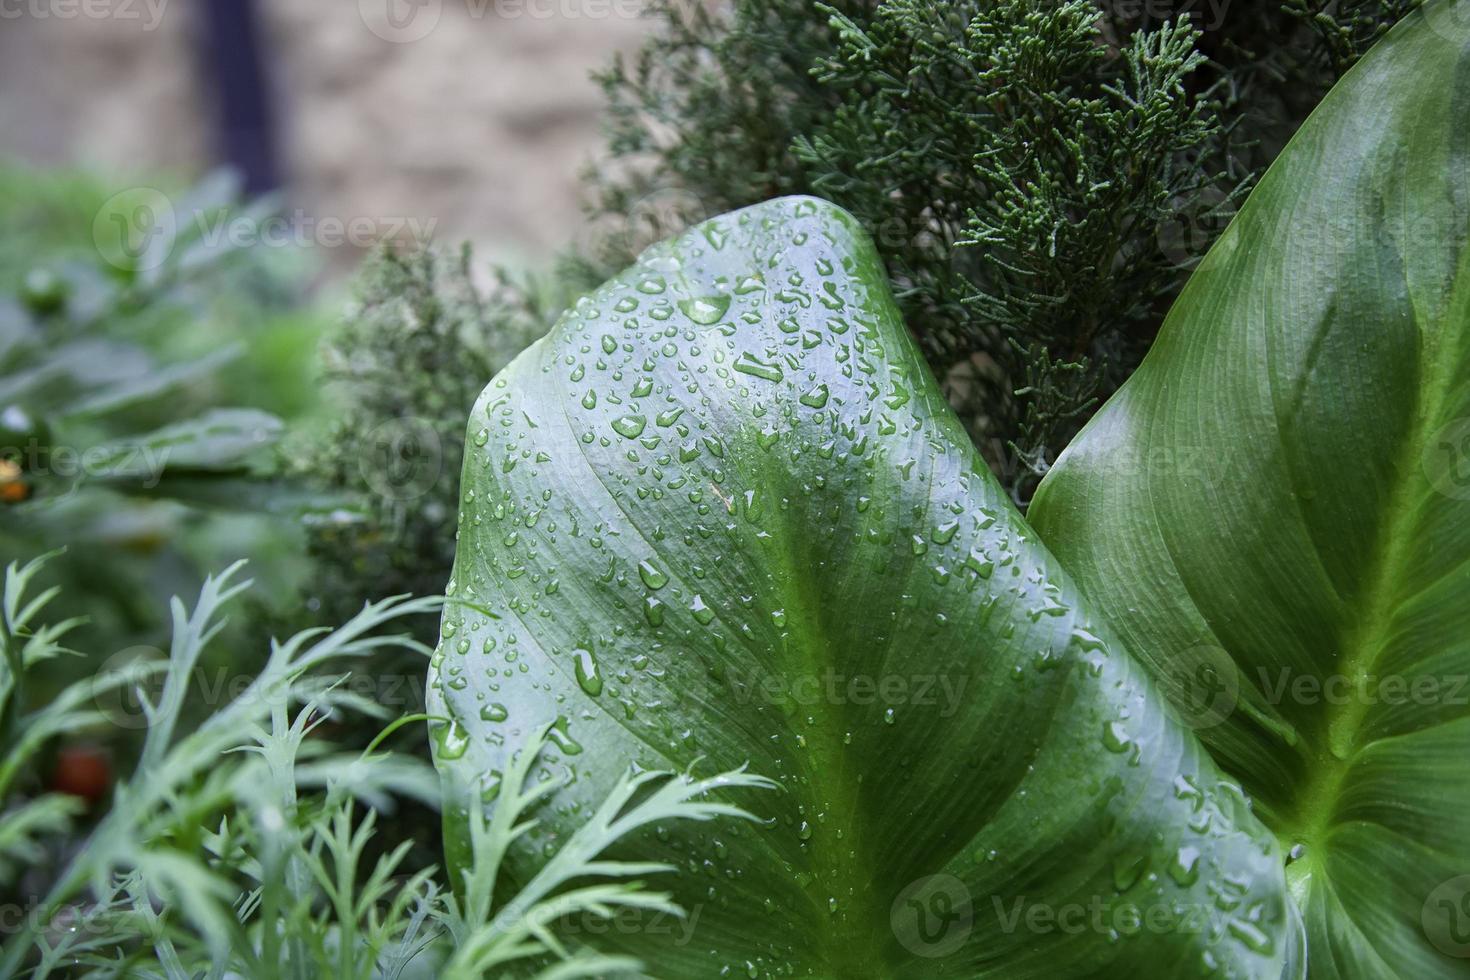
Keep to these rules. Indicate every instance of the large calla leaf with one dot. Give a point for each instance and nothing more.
(721, 516)
(1275, 509)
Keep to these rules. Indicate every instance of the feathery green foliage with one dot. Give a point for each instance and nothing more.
(247, 843)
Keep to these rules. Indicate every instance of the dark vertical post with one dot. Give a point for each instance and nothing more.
(232, 52)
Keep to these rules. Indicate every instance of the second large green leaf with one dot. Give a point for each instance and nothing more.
(1275, 509)
(722, 516)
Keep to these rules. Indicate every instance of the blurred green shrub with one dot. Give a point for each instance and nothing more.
(416, 346)
(147, 361)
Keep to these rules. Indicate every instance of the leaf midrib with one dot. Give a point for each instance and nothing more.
(849, 951)
(1368, 638)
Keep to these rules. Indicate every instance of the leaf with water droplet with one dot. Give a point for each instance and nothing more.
(705, 310)
(1275, 507)
(629, 426)
(814, 574)
(756, 367)
(588, 679)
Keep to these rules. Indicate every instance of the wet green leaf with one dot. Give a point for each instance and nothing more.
(1275, 510)
(747, 529)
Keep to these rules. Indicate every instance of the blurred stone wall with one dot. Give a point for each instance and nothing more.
(473, 117)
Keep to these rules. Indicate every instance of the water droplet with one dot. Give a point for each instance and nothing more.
(630, 426)
(1087, 641)
(651, 575)
(1253, 936)
(494, 712)
(451, 740)
(753, 366)
(705, 310)
(1184, 868)
(749, 284)
(588, 679)
(561, 737)
(1115, 737)
(815, 398)
(1127, 869)
(703, 614)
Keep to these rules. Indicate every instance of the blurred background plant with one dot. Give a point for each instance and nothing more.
(417, 344)
(141, 393)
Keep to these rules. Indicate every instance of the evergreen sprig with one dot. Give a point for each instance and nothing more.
(403, 369)
(1040, 178)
